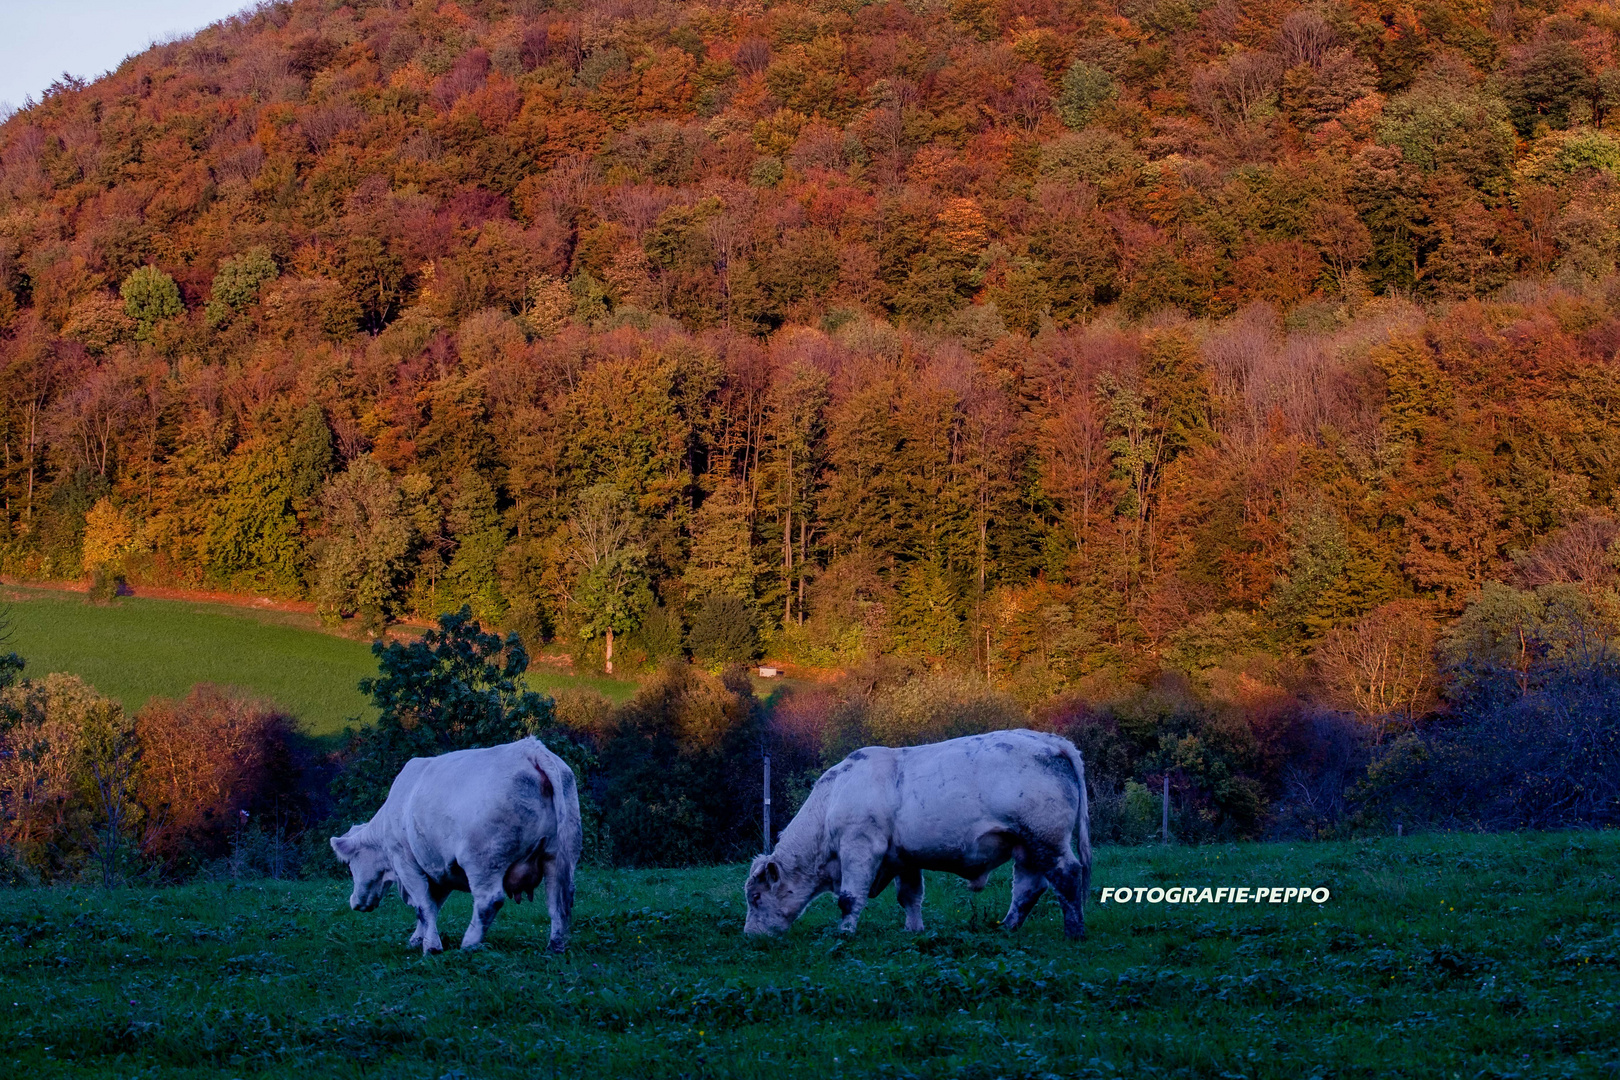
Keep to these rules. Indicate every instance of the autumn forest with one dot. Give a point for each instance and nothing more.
(1242, 367)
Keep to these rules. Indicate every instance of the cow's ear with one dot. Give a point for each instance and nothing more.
(340, 847)
(772, 873)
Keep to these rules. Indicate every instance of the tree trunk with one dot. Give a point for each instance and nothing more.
(787, 561)
(609, 659)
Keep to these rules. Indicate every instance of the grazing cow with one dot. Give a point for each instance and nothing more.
(964, 806)
(494, 822)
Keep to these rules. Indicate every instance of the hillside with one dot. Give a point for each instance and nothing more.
(1067, 343)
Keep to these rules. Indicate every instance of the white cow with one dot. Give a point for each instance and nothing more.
(964, 806)
(494, 822)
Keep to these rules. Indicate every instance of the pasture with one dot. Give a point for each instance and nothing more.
(136, 648)
(1470, 956)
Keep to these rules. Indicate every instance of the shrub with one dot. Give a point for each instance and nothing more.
(67, 756)
(105, 586)
(1526, 750)
(207, 760)
(658, 638)
(679, 781)
(936, 707)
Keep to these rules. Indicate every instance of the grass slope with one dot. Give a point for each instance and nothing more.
(138, 648)
(1436, 956)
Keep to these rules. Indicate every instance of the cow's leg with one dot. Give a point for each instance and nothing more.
(860, 866)
(425, 898)
(488, 896)
(1028, 884)
(559, 901)
(1070, 880)
(910, 895)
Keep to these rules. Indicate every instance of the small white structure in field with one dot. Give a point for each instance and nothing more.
(769, 672)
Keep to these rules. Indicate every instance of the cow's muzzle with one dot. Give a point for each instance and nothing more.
(755, 928)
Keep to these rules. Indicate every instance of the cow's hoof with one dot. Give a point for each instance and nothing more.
(556, 948)
(430, 950)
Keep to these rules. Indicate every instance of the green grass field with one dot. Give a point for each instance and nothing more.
(137, 648)
(1436, 956)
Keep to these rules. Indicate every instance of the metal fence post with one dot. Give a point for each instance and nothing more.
(767, 803)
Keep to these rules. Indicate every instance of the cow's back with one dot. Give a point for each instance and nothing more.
(1018, 781)
(477, 794)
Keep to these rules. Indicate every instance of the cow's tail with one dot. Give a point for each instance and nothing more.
(1082, 819)
(558, 782)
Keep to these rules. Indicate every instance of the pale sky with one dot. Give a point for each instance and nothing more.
(40, 39)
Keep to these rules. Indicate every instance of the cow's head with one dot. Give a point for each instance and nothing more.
(775, 898)
(368, 863)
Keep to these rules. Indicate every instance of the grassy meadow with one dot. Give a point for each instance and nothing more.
(1453, 956)
(136, 648)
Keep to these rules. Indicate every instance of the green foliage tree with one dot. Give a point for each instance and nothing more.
(724, 630)
(252, 541)
(455, 687)
(926, 620)
(472, 578)
(611, 590)
(363, 566)
(1086, 89)
(237, 284)
(311, 455)
(1549, 85)
(1447, 122)
(1328, 582)
(150, 297)
(722, 558)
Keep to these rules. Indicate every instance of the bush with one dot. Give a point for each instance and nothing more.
(105, 586)
(937, 707)
(679, 777)
(658, 638)
(213, 763)
(1527, 750)
(67, 759)
(1327, 762)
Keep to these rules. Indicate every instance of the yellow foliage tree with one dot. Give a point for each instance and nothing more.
(108, 535)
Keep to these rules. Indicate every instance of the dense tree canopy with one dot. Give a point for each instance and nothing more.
(1058, 341)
